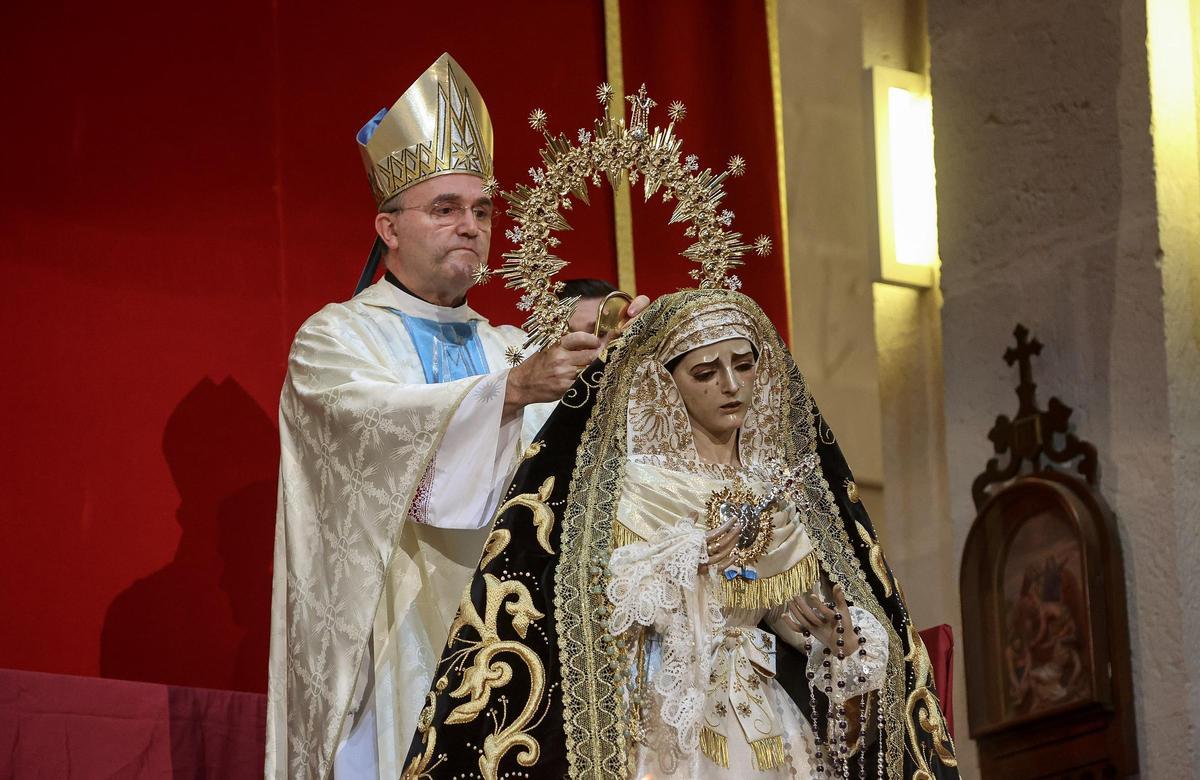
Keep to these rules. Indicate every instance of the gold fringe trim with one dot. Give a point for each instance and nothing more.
(768, 753)
(621, 535)
(772, 591)
(716, 746)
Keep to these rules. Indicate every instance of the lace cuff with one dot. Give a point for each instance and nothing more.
(869, 666)
(647, 580)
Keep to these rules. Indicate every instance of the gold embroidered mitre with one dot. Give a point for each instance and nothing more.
(439, 125)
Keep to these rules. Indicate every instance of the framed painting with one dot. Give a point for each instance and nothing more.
(1030, 573)
(1045, 632)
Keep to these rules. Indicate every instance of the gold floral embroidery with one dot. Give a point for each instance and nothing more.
(875, 556)
(543, 515)
(497, 540)
(532, 450)
(485, 675)
(924, 705)
(658, 421)
(420, 766)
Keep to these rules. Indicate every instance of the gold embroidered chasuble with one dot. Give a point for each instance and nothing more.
(361, 573)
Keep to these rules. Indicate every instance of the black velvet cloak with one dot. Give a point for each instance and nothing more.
(527, 685)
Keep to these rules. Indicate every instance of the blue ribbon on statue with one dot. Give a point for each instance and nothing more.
(448, 350)
(737, 572)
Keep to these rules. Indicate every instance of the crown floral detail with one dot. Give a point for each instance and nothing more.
(615, 151)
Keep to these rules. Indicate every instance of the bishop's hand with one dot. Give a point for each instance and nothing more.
(546, 375)
(635, 307)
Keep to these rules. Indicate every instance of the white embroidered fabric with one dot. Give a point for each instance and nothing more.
(475, 459)
(656, 584)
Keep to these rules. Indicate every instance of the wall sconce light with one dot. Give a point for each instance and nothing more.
(905, 201)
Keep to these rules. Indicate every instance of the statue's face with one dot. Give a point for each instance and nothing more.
(716, 383)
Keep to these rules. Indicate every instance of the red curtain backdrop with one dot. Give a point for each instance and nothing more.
(181, 189)
(714, 57)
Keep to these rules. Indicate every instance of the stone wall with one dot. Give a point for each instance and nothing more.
(833, 321)
(1048, 216)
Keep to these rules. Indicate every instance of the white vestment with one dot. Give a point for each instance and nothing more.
(387, 484)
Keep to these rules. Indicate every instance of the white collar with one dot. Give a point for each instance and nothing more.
(387, 295)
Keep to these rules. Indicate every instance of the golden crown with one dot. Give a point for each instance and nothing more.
(617, 151)
(439, 125)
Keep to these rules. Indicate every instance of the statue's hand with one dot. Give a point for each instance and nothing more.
(806, 612)
(720, 542)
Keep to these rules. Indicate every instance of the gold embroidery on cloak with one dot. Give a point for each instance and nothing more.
(482, 676)
(420, 766)
(543, 515)
(495, 544)
(485, 675)
(532, 450)
(930, 715)
(875, 556)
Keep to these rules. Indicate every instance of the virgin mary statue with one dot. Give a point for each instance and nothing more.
(682, 582)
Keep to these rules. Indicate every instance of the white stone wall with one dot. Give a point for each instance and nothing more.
(1048, 216)
(833, 330)
(872, 353)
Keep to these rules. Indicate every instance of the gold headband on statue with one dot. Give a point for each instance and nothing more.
(439, 125)
(615, 151)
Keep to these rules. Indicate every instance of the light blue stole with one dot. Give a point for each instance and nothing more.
(448, 350)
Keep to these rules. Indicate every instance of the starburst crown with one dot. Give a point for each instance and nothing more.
(617, 152)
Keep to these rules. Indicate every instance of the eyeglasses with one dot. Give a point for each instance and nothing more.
(446, 213)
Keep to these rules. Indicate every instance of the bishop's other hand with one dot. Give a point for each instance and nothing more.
(546, 375)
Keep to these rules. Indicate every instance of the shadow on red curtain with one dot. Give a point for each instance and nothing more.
(182, 189)
(204, 618)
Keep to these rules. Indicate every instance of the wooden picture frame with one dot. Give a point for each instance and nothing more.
(1042, 584)
(1034, 565)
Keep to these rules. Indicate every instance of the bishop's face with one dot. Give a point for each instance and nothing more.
(716, 383)
(441, 232)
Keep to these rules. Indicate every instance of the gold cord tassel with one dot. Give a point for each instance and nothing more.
(768, 753)
(772, 591)
(716, 747)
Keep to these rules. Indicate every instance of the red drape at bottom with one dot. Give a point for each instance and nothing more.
(939, 641)
(61, 726)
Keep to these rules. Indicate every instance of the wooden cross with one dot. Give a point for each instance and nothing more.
(1021, 354)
